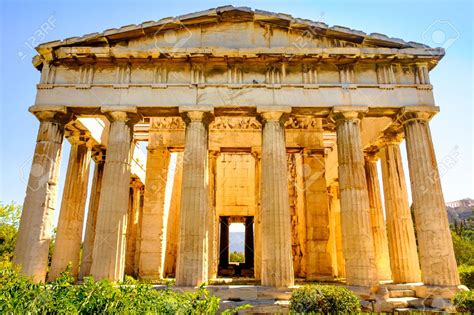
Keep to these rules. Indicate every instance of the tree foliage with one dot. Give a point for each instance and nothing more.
(9, 222)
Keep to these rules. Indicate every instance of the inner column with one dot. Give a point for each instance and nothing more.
(224, 243)
(249, 248)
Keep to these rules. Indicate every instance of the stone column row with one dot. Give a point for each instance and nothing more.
(361, 218)
(104, 243)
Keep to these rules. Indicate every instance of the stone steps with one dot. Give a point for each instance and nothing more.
(401, 293)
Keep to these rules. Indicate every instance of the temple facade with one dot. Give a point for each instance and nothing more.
(247, 117)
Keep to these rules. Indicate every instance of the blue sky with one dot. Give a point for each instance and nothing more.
(438, 23)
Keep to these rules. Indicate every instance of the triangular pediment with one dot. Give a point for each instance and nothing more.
(238, 26)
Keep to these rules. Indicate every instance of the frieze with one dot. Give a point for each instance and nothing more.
(226, 122)
(302, 123)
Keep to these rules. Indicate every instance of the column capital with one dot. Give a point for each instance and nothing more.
(339, 114)
(204, 114)
(371, 155)
(392, 137)
(214, 154)
(135, 183)
(98, 155)
(416, 113)
(79, 137)
(273, 113)
(58, 114)
(128, 114)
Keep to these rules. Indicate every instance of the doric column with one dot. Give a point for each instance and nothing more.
(379, 232)
(34, 235)
(71, 218)
(257, 219)
(88, 245)
(139, 232)
(224, 242)
(355, 209)
(155, 216)
(249, 244)
(133, 217)
(401, 233)
(335, 206)
(318, 256)
(213, 227)
(108, 260)
(193, 252)
(438, 264)
(277, 260)
(172, 239)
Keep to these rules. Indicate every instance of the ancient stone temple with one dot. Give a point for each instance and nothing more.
(247, 117)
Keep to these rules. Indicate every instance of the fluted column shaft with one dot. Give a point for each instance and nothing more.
(358, 241)
(401, 233)
(132, 226)
(213, 227)
(379, 232)
(36, 223)
(172, 238)
(108, 260)
(192, 263)
(155, 216)
(258, 218)
(277, 260)
(438, 264)
(71, 218)
(88, 245)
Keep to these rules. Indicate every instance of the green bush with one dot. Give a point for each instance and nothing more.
(324, 299)
(19, 295)
(463, 250)
(466, 273)
(236, 256)
(464, 302)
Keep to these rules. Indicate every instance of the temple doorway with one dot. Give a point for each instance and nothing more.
(236, 246)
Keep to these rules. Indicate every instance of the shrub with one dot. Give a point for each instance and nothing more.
(463, 250)
(18, 294)
(324, 299)
(236, 256)
(466, 273)
(464, 301)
